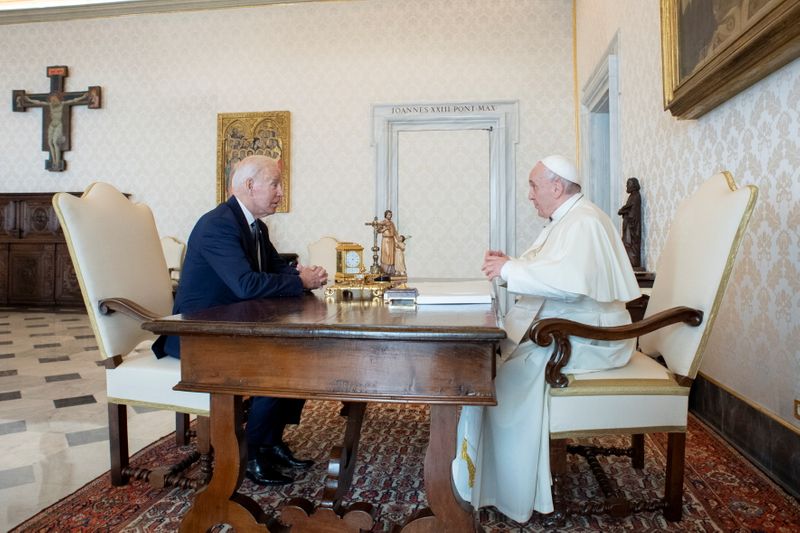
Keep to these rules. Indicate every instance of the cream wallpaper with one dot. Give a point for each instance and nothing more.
(444, 198)
(166, 76)
(756, 136)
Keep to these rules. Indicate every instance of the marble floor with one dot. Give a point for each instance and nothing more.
(53, 415)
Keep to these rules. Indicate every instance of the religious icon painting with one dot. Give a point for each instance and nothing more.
(243, 134)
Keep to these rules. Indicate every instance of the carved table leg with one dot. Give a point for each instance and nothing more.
(343, 458)
(219, 502)
(204, 447)
(448, 512)
(330, 516)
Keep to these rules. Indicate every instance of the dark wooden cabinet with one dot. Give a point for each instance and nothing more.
(35, 267)
(67, 288)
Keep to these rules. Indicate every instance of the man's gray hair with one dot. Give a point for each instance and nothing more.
(570, 187)
(250, 167)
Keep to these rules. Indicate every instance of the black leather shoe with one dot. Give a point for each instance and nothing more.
(263, 475)
(281, 455)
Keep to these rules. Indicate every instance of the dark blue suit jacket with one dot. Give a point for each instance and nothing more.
(221, 267)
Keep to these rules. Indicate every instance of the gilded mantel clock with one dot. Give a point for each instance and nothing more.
(349, 261)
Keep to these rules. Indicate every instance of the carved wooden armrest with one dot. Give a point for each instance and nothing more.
(557, 330)
(126, 307)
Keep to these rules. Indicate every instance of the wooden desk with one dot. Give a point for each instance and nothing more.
(355, 352)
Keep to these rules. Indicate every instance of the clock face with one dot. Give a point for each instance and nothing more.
(352, 260)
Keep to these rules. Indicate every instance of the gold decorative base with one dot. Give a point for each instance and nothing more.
(357, 290)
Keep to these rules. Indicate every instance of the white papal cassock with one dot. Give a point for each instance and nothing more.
(576, 269)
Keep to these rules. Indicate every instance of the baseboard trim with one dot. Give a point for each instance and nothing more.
(767, 442)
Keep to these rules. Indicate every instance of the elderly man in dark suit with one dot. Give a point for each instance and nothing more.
(229, 259)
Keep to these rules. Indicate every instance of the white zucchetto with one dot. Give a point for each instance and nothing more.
(563, 167)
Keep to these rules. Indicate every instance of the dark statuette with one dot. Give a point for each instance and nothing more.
(631, 214)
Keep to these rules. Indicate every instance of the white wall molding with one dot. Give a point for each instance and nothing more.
(600, 111)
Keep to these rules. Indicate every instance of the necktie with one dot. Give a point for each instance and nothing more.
(256, 238)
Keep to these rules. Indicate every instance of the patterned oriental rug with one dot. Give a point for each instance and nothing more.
(723, 492)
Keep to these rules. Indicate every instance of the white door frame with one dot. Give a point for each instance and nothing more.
(499, 118)
(603, 84)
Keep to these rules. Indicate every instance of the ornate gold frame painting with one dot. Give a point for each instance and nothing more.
(712, 49)
(242, 134)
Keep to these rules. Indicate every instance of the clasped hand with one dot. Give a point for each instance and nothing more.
(493, 261)
(313, 277)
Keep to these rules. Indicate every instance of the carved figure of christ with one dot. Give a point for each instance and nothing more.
(56, 107)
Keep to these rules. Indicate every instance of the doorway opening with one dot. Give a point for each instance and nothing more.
(600, 143)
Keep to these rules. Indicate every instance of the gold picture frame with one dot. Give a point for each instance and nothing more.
(242, 134)
(713, 49)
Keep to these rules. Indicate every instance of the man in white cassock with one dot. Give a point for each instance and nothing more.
(576, 269)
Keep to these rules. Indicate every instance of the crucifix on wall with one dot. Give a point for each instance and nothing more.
(56, 107)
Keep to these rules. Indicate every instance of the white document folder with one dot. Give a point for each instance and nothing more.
(453, 292)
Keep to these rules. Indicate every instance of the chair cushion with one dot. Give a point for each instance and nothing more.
(142, 379)
(642, 396)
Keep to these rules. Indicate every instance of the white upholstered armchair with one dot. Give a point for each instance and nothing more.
(124, 280)
(651, 393)
(174, 252)
(322, 252)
